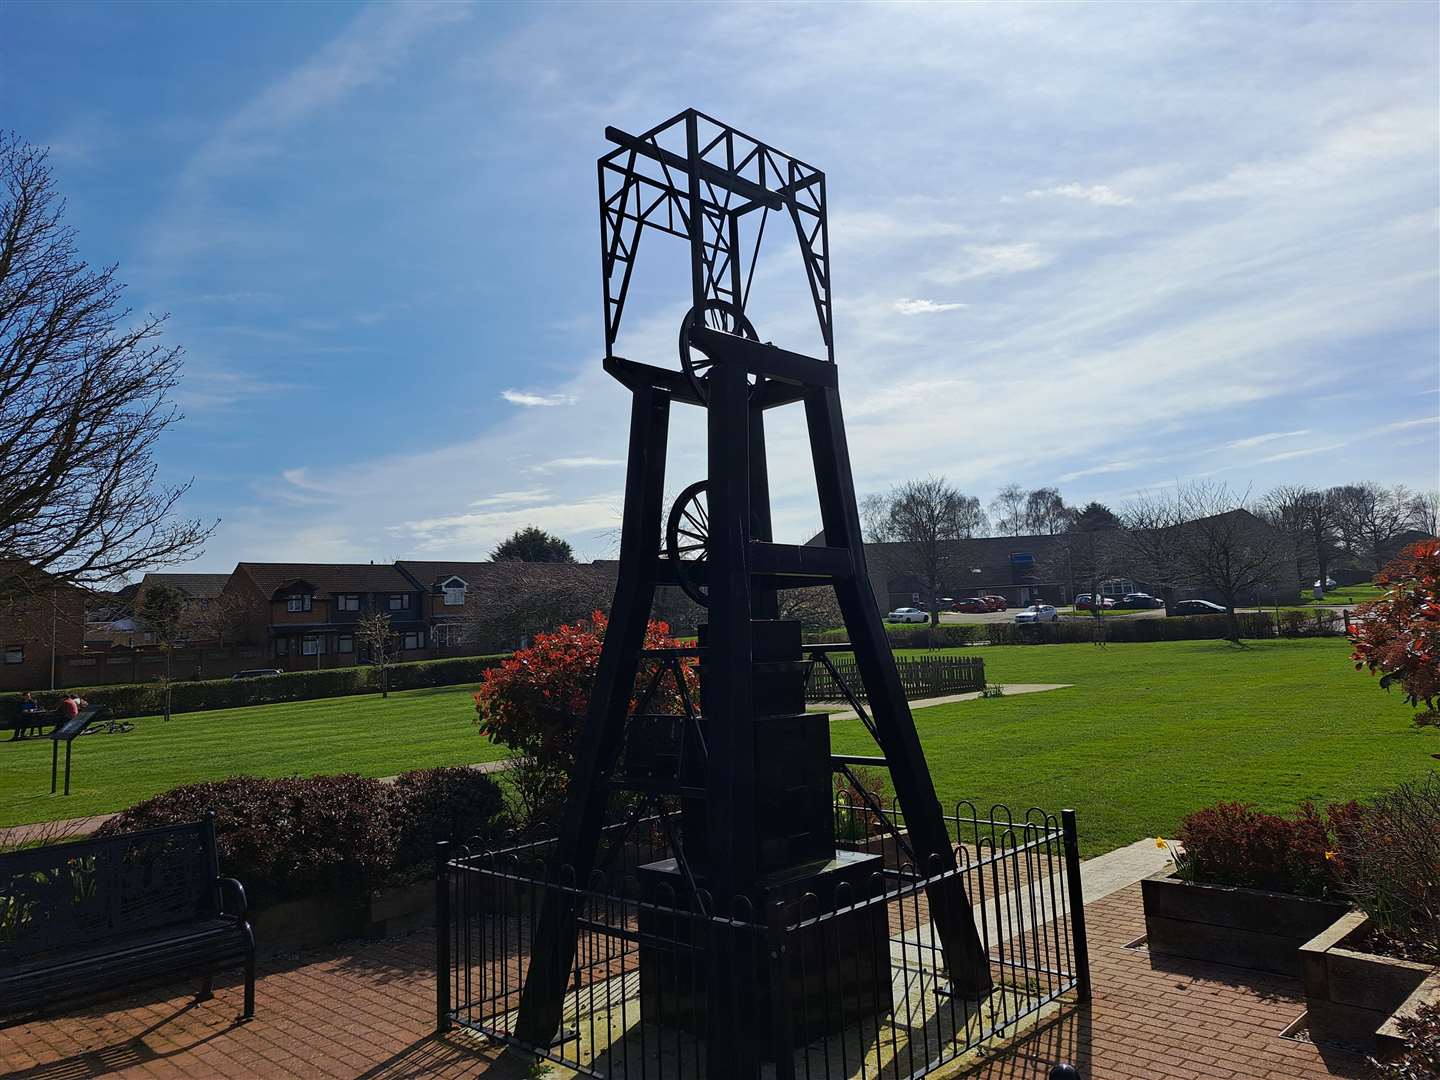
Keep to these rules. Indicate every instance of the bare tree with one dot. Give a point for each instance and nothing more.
(83, 398)
(373, 631)
(1046, 512)
(1007, 510)
(1370, 518)
(162, 608)
(924, 519)
(816, 609)
(1202, 534)
(1425, 513)
(516, 600)
(1290, 508)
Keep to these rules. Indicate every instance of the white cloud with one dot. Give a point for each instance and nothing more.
(1401, 425)
(580, 462)
(925, 307)
(1270, 436)
(1099, 470)
(1099, 194)
(529, 400)
(1290, 455)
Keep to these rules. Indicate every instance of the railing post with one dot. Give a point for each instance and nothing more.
(442, 936)
(1080, 943)
(778, 974)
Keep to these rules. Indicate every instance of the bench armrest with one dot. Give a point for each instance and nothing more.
(234, 888)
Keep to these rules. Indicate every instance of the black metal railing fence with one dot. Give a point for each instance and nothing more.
(921, 676)
(669, 984)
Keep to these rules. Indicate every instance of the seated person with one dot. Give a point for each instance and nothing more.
(28, 702)
(69, 708)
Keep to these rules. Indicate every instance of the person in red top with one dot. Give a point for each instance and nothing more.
(69, 708)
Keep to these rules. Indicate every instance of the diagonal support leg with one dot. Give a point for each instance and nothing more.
(965, 959)
(553, 943)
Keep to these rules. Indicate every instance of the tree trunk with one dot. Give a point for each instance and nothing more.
(169, 653)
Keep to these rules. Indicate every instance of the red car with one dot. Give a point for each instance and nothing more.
(1084, 602)
(974, 605)
(996, 603)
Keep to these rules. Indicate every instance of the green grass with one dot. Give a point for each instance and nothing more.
(365, 734)
(1150, 732)
(1344, 596)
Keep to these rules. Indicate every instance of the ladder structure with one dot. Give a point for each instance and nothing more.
(750, 768)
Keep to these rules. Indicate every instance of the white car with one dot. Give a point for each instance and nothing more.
(907, 614)
(1038, 613)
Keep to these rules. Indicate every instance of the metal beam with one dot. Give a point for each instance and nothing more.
(712, 173)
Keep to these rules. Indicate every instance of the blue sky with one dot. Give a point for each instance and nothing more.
(1104, 247)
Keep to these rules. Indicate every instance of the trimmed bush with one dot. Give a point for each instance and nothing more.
(1187, 628)
(448, 803)
(146, 699)
(1234, 844)
(296, 836)
(913, 636)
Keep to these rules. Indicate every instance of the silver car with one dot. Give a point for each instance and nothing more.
(907, 614)
(1038, 613)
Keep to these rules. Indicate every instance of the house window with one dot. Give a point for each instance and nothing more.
(411, 640)
(454, 595)
(345, 643)
(14, 654)
(282, 646)
(148, 638)
(399, 601)
(447, 634)
(349, 602)
(297, 603)
(312, 645)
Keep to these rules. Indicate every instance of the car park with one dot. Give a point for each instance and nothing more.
(1141, 600)
(996, 603)
(974, 605)
(1085, 602)
(907, 615)
(1197, 607)
(1037, 613)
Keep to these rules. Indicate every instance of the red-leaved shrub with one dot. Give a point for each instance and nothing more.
(535, 702)
(1232, 843)
(1399, 634)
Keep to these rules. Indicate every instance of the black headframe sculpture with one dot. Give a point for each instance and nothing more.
(754, 777)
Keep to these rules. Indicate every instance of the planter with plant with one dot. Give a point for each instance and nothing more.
(1248, 888)
(1361, 970)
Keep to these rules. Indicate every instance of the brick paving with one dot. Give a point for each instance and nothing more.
(366, 1011)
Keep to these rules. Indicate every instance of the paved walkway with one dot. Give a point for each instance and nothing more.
(1011, 690)
(366, 1011)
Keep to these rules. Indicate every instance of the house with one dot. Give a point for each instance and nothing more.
(305, 614)
(202, 593)
(41, 619)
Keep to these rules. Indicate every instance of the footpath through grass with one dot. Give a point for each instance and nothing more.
(1152, 731)
(366, 734)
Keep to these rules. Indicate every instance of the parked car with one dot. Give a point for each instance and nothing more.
(1197, 607)
(974, 605)
(1085, 602)
(907, 615)
(996, 603)
(1037, 613)
(1141, 600)
(257, 673)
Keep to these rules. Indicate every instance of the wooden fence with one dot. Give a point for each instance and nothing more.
(921, 676)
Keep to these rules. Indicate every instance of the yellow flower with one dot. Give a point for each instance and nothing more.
(1329, 855)
(1160, 842)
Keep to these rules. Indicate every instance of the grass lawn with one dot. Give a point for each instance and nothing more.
(1344, 596)
(1152, 731)
(411, 729)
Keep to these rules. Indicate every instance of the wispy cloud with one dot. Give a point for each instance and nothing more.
(925, 307)
(537, 401)
(1401, 425)
(580, 462)
(1269, 436)
(983, 260)
(1099, 194)
(1099, 470)
(1289, 455)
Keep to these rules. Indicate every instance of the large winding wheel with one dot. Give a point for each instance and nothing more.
(687, 541)
(717, 315)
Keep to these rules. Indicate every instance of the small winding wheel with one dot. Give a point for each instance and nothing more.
(687, 541)
(717, 315)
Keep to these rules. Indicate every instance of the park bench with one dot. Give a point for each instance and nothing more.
(80, 921)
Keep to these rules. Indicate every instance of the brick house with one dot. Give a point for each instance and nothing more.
(304, 614)
(42, 620)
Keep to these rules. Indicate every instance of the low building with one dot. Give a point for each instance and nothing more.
(42, 619)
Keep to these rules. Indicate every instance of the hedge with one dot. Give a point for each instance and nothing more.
(146, 699)
(295, 836)
(1186, 628)
(912, 636)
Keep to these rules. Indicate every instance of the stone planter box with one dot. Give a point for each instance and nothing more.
(312, 921)
(1225, 924)
(884, 845)
(1350, 995)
